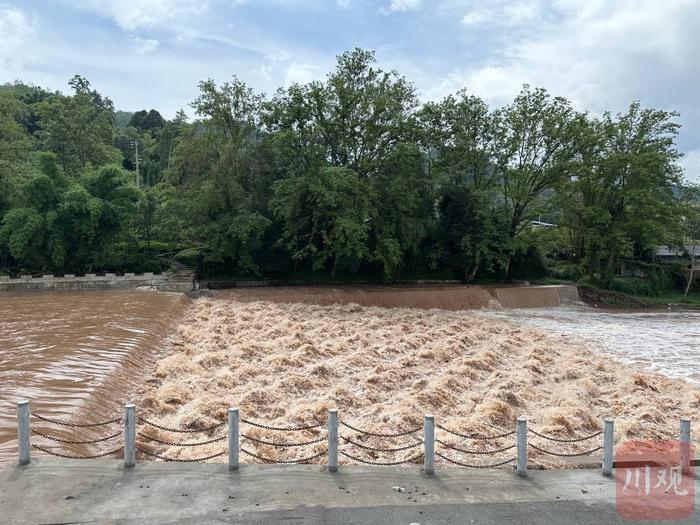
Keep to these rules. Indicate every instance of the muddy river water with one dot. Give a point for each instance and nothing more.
(667, 342)
(76, 355)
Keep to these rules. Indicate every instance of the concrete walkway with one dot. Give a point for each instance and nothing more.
(101, 491)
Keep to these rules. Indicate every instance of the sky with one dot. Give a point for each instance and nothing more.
(600, 54)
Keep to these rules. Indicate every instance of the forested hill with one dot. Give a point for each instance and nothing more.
(347, 176)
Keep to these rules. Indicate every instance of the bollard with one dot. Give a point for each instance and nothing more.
(608, 446)
(333, 440)
(429, 444)
(685, 445)
(23, 433)
(521, 445)
(129, 435)
(234, 449)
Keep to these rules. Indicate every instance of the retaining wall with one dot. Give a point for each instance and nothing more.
(89, 281)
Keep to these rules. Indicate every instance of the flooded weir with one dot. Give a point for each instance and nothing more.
(78, 356)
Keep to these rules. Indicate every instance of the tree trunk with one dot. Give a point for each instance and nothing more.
(469, 276)
(692, 271)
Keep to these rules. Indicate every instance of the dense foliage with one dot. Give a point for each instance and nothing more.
(350, 176)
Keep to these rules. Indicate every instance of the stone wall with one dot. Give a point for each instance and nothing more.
(89, 281)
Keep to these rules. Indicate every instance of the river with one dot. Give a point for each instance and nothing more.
(663, 341)
(77, 356)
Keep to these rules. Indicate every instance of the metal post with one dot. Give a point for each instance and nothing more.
(332, 440)
(234, 449)
(429, 444)
(23, 433)
(129, 435)
(685, 445)
(521, 445)
(608, 446)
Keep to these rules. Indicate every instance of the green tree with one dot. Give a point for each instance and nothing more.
(534, 144)
(325, 216)
(78, 128)
(620, 199)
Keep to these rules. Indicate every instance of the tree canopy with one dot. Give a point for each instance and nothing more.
(342, 177)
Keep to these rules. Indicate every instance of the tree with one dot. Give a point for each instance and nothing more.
(691, 228)
(534, 143)
(458, 135)
(147, 120)
(325, 217)
(215, 172)
(78, 128)
(621, 194)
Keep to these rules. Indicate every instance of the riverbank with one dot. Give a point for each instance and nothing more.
(671, 300)
(286, 364)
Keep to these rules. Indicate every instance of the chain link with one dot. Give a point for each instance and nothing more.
(398, 449)
(180, 430)
(564, 440)
(474, 452)
(57, 454)
(375, 434)
(173, 444)
(475, 437)
(280, 429)
(467, 465)
(284, 445)
(67, 442)
(285, 462)
(545, 451)
(178, 460)
(381, 464)
(76, 425)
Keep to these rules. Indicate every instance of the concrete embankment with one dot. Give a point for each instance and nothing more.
(444, 296)
(168, 281)
(62, 491)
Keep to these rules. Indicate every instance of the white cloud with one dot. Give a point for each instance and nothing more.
(599, 54)
(503, 13)
(405, 5)
(298, 73)
(691, 165)
(134, 14)
(145, 45)
(16, 29)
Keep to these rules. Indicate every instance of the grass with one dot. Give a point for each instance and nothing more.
(692, 300)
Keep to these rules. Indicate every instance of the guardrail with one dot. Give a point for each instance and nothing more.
(425, 444)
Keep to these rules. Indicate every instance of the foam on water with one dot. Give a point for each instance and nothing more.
(286, 364)
(664, 341)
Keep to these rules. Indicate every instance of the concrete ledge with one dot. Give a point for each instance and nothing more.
(87, 282)
(60, 491)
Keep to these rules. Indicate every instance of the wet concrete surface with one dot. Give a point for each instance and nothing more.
(63, 491)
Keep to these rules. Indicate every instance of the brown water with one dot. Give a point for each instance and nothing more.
(287, 363)
(444, 297)
(77, 356)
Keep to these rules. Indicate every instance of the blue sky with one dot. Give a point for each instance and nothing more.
(601, 54)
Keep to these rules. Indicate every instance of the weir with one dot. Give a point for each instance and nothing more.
(445, 297)
(78, 352)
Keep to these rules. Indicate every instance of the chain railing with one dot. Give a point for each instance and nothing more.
(381, 450)
(566, 441)
(474, 452)
(356, 439)
(69, 424)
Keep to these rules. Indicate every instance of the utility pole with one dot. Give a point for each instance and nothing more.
(138, 177)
